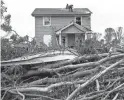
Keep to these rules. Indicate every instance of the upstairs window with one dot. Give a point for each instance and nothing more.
(78, 20)
(46, 21)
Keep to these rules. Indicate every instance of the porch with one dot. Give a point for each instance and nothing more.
(71, 35)
(70, 40)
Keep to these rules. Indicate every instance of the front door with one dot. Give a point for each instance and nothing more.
(71, 40)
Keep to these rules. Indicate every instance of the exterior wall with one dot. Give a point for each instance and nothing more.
(56, 23)
(59, 22)
(86, 21)
(41, 30)
(38, 25)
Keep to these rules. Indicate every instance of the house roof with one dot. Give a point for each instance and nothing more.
(60, 11)
(81, 28)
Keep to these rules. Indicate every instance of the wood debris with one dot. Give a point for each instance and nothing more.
(88, 77)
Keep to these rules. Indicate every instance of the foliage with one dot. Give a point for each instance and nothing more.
(109, 32)
(96, 36)
(2, 8)
(5, 26)
(118, 35)
(18, 46)
(89, 46)
(8, 51)
(114, 38)
(14, 37)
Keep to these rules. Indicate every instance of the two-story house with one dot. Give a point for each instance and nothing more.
(69, 27)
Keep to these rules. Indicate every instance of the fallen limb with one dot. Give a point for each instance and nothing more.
(2, 98)
(34, 95)
(102, 91)
(42, 96)
(115, 97)
(43, 89)
(92, 64)
(52, 86)
(22, 95)
(84, 73)
(73, 94)
(42, 74)
(79, 59)
(78, 74)
(47, 81)
(97, 85)
(120, 50)
(60, 83)
(74, 76)
(52, 72)
(121, 85)
(98, 94)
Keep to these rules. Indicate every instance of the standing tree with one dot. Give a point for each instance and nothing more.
(118, 35)
(5, 19)
(109, 32)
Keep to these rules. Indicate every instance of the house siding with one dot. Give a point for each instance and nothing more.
(86, 21)
(57, 22)
(41, 30)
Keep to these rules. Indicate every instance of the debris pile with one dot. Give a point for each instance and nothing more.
(87, 77)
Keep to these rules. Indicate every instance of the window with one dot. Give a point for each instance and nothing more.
(78, 20)
(46, 21)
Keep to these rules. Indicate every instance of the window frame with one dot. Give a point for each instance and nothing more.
(44, 20)
(76, 20)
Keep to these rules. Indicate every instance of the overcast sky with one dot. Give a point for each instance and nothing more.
(106, 13)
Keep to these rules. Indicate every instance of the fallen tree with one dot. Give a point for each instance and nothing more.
(84, 78)
(45, 72)
(82, 59)
(93, 79)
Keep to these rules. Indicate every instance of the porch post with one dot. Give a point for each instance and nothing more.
(60, 39)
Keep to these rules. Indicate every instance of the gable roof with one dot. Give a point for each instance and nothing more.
(81, 28)
(60, 11)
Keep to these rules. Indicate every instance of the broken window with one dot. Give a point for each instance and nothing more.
(46, 21)
(78, 20)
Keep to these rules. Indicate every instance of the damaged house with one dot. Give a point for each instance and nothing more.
(67, 26)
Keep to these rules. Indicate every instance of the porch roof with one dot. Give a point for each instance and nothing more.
(78, 27)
